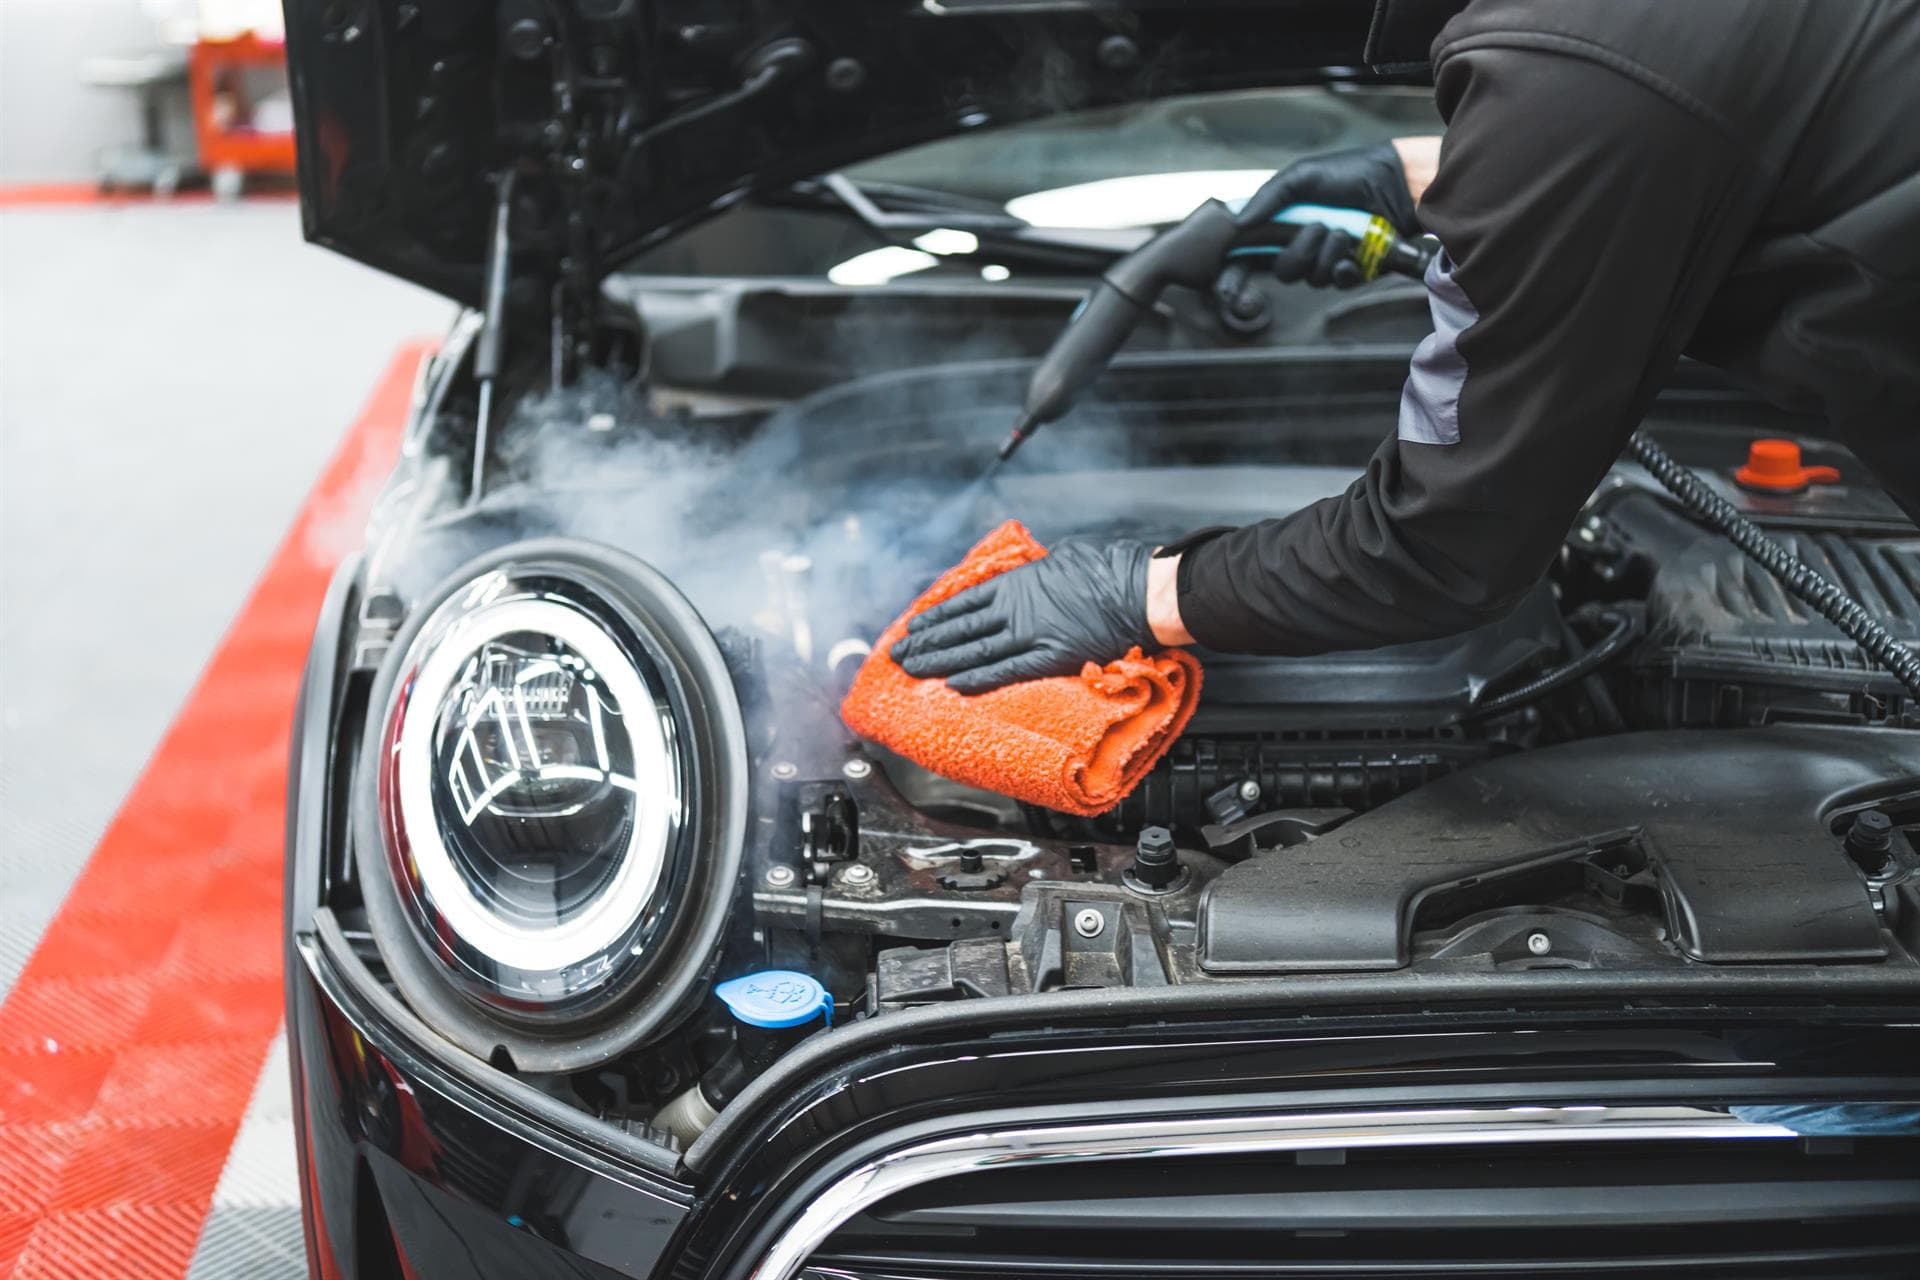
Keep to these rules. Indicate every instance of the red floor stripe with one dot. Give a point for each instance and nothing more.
(131, 1042)
(31, 195)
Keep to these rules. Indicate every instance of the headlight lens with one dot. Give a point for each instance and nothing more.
(533, 792)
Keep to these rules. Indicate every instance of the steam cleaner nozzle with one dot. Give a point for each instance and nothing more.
(1188, 253)
(1018, 436)
(1191, 254)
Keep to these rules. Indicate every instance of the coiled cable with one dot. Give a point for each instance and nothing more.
(1806, 583)
(1617, 638)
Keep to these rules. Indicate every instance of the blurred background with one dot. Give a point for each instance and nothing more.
(176, 368)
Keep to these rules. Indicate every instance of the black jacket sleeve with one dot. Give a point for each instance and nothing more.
(1578, 205)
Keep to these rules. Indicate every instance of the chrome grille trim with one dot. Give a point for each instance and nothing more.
(1232, 1135)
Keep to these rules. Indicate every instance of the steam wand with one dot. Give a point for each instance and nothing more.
(1028, 424)
(1192, 253)
(493, 330)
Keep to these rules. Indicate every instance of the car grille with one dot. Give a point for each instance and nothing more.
(1842, 1207)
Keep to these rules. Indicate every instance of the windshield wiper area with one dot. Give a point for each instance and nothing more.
(915, 209)
(897, 214)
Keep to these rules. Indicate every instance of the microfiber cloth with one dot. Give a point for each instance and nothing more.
(1077, 744)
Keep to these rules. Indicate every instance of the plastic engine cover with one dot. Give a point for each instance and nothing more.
(1727, 645)
(1734, 824)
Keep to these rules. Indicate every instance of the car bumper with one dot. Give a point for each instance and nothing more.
(409, 1170)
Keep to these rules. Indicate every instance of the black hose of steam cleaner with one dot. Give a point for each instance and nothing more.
(1192, 253)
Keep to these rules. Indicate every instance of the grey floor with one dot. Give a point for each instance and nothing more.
(172, 379)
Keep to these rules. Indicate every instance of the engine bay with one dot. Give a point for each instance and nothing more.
(1396, 809)
(1654, 764)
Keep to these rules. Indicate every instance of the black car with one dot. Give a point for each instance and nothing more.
(1584, 943)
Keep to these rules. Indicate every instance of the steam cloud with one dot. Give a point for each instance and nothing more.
(778, 534)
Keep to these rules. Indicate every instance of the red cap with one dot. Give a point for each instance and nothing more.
(1773, 466)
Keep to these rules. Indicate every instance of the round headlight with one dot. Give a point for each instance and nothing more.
(548, 767)
(533, 790)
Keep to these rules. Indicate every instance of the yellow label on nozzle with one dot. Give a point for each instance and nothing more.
(1373, 246)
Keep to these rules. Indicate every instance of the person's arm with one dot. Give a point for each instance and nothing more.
(1163, 603)
(1419, 162)
(1573, 202)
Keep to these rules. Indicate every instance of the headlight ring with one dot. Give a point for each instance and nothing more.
(557, 804)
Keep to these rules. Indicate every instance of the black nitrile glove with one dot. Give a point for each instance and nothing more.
(1317, 255)
(1084, 601)
(1369, 178)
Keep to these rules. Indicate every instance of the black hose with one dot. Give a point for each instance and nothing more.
(1563, 675)
(1803, 580)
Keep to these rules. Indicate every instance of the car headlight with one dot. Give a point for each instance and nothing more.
(557, 769)
(532, 790)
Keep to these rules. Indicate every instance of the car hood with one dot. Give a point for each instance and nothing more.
(622, 120)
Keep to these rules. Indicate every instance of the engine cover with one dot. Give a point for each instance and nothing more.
(1736, 831)
(1402, 686)
(1727, 646)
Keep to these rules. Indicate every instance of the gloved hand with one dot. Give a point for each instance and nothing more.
(1369, 178)
(1084, 601)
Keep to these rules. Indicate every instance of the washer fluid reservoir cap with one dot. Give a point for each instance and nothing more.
(1773, 466)
(776, 998)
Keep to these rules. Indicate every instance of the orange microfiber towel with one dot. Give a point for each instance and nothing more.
(1077, 744)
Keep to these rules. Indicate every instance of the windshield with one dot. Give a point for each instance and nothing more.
(1135, 166)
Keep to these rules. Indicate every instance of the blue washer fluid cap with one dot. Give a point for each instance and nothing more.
(776, 998)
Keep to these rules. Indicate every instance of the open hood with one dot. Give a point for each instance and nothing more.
(620, 120)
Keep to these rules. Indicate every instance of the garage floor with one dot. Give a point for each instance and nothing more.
(173, 381)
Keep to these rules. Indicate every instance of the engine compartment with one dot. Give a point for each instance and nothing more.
(1390, 814)
(1300, 774)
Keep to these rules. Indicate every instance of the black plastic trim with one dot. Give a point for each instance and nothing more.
(1736, 830)
(824, 1062)
(402, 1035)
(315, 710)
(309, 766)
